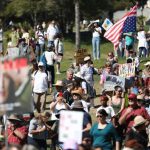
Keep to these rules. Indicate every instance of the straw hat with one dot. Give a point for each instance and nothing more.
(14, 117)
(59, 83)
(77, 104)
(140, 97)
(138, 120)
(40, 64)
(87, 58)
(78, 91)
(78, 74)
(147, 64)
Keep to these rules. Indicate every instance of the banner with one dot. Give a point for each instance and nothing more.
(107, 24)
(71, 126)
(112, 81)
(15, 86)
(127, 70)
(13, 52)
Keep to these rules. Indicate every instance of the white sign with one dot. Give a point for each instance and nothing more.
(71, 126)
(107, 24)
(127, 70)
(13, 52)
(112, 81)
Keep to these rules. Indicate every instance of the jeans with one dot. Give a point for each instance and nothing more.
(40, 48)
(96, 47)
(142, 51)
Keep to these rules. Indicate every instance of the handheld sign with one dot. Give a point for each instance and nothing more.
(107, 24)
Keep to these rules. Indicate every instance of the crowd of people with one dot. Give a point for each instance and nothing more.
(123, 114)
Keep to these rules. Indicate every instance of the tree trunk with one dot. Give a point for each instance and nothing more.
(77, 23)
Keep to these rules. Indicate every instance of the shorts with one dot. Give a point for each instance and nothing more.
(60, 56)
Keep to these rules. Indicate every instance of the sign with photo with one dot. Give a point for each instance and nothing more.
(13, 52)
(70, 126)
(15, 86)
(127, 70)
(107, 24)
(112, 81)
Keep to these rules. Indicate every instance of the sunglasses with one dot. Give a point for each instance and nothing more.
(99, 116)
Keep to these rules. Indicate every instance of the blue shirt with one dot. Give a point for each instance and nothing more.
(102, 138)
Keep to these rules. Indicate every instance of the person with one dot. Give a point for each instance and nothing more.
(58, 105)
(59, 50)
(25, 35)
(52, 31)
(16, 130)
(128, 114)
(142, 44)
(111, 58)
(138, 132)
(40, 86)
(96, 32)
(108, 109)
(37, 132)
(103, 132)
(40, 36)
(50, 57)
(129, 42)
(77, 96)
(118, 101)
(69, 77)
(87, 73)
(87, 121)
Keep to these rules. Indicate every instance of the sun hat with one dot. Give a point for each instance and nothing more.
(138, 120)
(132, 96)
(78, 74)
(87, 58)
(77, 105)
(40, 64)
(78, 92)
(147, 64)
(14, 117)
(59, 83)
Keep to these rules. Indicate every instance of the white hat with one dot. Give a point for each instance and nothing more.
(147, 64)
(78, 74)
(87, 58)
(59, 83)
(138, 120)
(40, 64)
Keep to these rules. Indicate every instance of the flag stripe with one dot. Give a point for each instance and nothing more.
(114, 33)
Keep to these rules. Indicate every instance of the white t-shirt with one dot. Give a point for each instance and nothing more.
(110, 111)
(142, 39)
(41, 37)
(51, 32)
(95, 33)
(40, 82)
(50, 57)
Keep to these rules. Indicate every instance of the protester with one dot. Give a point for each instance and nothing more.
(103, 132)
(16, 130)
(40, 86)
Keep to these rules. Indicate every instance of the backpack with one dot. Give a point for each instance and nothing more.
(43, 59)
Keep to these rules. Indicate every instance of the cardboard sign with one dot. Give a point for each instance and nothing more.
(112, 81)
(13, 52)
(70, 126)
(107, 24)
(127, 70)
(15, 87)
(80, 55)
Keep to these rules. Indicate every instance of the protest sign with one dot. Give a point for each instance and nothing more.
(13, 52)
(127, 70)
(112, 81)
(80, 55)
(70, 126)
(15, 87)
(107, 24)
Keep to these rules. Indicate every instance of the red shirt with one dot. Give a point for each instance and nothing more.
(14, 139)
(135, 112)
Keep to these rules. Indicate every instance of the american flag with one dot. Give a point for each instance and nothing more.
(124, 25)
